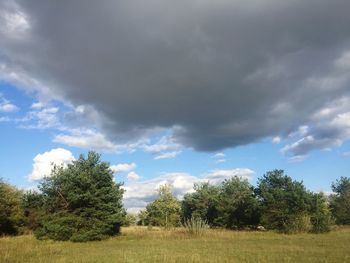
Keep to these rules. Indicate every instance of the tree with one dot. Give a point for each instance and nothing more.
(11, 213)
(238, 206)
(321, 217)
(142, 218)
(202, 203)
(340, 201)
(81, 202)
(32, 203)
(285, 203)
(165, 210)
(130, 220)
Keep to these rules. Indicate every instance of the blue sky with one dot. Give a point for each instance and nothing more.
(176, 94)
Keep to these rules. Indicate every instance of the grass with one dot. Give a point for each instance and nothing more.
(138, 244)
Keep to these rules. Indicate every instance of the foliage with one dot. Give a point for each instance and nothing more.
(32, 204)
(196, 226)
(298, 223)
(283, 202)
(11, 213)
(130, 219)
(202, 203)
(321, 217)
(165, 210)
(142, 218)
(237, 206)
(81, 202)
(340, 201)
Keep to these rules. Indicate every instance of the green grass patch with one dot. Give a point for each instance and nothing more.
(139, 244)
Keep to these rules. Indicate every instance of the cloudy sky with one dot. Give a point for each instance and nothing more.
(176, 91)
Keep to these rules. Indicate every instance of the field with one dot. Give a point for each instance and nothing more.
(137, 244)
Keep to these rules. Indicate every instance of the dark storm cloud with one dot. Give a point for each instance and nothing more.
(223, 73)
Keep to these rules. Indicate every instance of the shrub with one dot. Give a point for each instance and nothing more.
(196, 226)
(298, 224)
(321, 217)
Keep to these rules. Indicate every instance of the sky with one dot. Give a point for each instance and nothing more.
(176, 92)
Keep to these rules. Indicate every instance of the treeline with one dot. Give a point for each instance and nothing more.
(276, 203)
(81, 202)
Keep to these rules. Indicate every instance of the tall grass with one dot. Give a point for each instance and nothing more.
(138, 244)
(196, 226)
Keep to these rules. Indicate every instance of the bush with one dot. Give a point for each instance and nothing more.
(321, 217)
(298, 224)
(196, 226)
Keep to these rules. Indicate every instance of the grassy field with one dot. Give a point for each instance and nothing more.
(137, 244)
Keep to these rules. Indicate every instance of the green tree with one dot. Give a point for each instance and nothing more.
(32, 203)
(11, 213)
(142, 217)
(165, 210)
(130, 220)
(238, 206)
(340, 201)
(321, 217)
(285, 204)
(81, 202)
(202, 203)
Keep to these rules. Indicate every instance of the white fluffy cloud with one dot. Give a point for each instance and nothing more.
(123, 167)
(165, 148)
(43, 163)
(167, 155)
(87, 140)
(7, 106)
(218, 176)
(133, 176)
(139, 194)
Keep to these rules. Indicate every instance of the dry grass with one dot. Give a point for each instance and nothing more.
(138, 244)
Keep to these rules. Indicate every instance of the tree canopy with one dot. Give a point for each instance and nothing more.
(340, 201)
(11, 214)
(81, 202)
(165, 210)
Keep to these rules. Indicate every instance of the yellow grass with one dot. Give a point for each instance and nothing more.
(138, 244)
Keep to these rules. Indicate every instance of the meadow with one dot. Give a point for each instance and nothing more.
(139, 244)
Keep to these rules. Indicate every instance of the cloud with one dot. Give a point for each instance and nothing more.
(7, 106)
(218, 176)
(219, 155)
(139, 194)
(346, 154)
(43, 163)
(167, 155)
(123, 167)
(165, 148)
(276, 140)
(87, 140)
(331, 128)
(41, 118)
(132, 176)
(218, 75)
